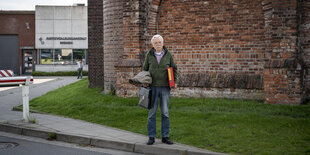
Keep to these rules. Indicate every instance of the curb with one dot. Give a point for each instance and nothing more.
(17, 108)
(103, 143)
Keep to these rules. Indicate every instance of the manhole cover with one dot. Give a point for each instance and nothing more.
(7, 145)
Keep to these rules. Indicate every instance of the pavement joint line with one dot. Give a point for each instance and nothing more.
(134, 146)
(103, 143)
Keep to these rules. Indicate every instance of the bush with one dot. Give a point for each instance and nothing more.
(59, 73)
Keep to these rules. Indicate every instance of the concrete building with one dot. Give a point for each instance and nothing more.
(49, 39)
(61, 37)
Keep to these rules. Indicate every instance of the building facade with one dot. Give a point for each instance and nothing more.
(61, 37)
(49, 39)
(17, 41)
(232, 49)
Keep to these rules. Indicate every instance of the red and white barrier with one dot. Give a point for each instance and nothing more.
(6, 73)
(14, 80)
(7, 78)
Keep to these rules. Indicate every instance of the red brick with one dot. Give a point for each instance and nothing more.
(257, 39)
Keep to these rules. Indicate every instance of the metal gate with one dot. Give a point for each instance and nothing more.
(9, 53)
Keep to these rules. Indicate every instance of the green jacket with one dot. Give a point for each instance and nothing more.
(159, 71)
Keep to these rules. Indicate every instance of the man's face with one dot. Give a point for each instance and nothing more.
(158, 44)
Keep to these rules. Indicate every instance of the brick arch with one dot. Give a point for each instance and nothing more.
(153, 10)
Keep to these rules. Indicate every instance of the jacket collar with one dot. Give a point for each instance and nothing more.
(153, 50)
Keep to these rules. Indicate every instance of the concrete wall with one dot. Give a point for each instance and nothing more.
(61, 22)
(56, 68)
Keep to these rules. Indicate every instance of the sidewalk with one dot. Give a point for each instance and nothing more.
(77, 131)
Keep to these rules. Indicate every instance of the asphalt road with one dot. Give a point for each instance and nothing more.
(11, 144)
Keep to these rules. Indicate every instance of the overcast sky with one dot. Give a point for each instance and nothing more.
(30, 4)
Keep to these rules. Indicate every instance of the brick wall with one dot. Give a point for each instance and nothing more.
(283, 71)
(14, 22)
(95, 43)
(130, 60)
(124, 71)
(113, 40)
(216, 44)
(304, 42)
(214, 36)
(229, 48)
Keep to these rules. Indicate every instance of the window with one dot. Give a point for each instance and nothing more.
(46, 56)
(62, 56)
(57, 56)
(66, 56)
(78, 54)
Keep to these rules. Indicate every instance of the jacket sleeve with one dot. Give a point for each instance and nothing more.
(145, 66)
(175, 70)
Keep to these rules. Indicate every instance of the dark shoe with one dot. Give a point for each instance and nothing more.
(166, 140)
(151, 141)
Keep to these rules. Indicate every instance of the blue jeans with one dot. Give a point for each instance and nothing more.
(162, 94)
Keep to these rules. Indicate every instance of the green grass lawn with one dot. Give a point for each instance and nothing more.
(221, 125)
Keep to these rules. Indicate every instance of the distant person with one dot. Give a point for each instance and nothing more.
(80, 68)
(157, 60)
(59, 57)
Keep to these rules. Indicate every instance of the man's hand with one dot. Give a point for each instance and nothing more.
(175, 86)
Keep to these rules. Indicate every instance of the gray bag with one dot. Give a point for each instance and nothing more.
(145, 97)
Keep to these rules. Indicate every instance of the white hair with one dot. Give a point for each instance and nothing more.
(157, 36)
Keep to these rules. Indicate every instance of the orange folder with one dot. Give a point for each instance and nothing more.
(171, 77)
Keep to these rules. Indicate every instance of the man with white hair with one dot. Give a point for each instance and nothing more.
(157, 60)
